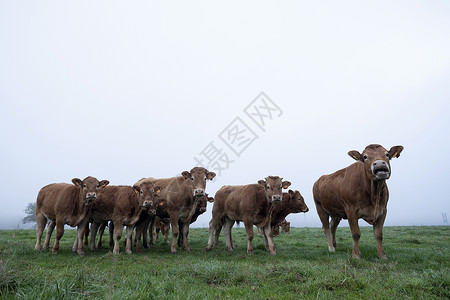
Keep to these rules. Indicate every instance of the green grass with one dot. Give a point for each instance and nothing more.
(418, 267)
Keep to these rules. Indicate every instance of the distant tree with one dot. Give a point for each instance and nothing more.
(31, 213)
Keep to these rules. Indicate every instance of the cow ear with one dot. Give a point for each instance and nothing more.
(291, 193)
(210, 199)
(210, 175)
(136, 189)
(356, 155)
(77, 182)
(285, 184)
(157, 190)
(103, 183)
(186, 174)
(395, 151)
(262, 183)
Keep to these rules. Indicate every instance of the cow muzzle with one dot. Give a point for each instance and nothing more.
(276, 199)
(381, 170)
(90, 197)
(199, 192)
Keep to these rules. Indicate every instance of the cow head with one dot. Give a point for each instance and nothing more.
(198, 177)
(89, 188)
(273, 186)
(202, 203)
(286, 226)
(296, 202)
(147, 196)
(376, 160)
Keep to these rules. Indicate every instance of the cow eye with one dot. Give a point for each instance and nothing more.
(365, 156)
(387, 154)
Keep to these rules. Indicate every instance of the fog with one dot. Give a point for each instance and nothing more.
(122, 91)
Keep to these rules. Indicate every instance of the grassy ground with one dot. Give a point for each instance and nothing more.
(418, 268)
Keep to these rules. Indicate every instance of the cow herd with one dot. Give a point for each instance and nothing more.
(358, 191)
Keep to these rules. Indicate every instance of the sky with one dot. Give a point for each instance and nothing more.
(125, 90)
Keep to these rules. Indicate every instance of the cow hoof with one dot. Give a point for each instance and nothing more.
(273, 253)
(250, 252)
(334, 245)
(331, 249)
(55, 252)
(80, 253)
(383, 257)
(172, 252)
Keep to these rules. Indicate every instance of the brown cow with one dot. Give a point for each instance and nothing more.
(180, 195)
(356, 192)
(293, 202)
(162, 225)
(285, 226)
(200, 209)
(63, 203)
(252, 204)
(123, 205)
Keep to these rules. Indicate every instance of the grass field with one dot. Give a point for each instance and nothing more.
(418, 267)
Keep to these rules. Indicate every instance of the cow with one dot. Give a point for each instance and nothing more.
(285, 226)
(162, 225)
(180, 195)
(358, 191)
(123, 205)
(252, 204)
(64, 203)
(200, 209)
(293, 202)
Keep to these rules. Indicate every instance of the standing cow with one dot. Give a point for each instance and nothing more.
(63, 203)
(123, 205)
(356, 192)
(293, 202)
(252, 204)
(180, 195)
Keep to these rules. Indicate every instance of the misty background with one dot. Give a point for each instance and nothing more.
(122, 91)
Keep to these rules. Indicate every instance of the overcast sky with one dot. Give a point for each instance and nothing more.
(125, 90)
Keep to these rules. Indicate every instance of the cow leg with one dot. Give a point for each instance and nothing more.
(150, 230)
(50, 227)
(59, 235)
(80, 234)
(267, 231)
(184, 235)
(249, 231)
(378, 232)
(111, 234)
(128, 247)
(118, 230)
(86, 234)
(356, 233)
(94, 228)
(212, 228)
(227, 226)
(216, 236)
(157, 232)
(175, 232)
(101, 230)
(180, 237)
(334, 224)
(324, 218)
(41, 221)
